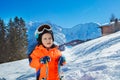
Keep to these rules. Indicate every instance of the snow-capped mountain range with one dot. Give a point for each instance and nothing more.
(97, 59)
(62, 35)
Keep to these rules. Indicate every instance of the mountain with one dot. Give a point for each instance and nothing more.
(62, 35)
(83, 32)
(96, 59)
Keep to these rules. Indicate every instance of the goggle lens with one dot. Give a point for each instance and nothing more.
(44, 27)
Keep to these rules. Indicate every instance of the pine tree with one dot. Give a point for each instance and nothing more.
(13, 44)
(23, 37)
(12, 41)
(17, 38)
(116, 25)
(24, 33)
(112, 18)
(2, 40)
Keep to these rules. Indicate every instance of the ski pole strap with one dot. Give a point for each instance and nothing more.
(46, 69)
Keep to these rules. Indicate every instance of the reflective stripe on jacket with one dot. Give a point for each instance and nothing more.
(52, 66)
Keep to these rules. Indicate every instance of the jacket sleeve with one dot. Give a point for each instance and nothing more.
(35, 60)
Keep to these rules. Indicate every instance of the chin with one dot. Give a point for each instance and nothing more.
(48, 46)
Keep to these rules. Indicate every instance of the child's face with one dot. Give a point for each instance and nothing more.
(47, 40)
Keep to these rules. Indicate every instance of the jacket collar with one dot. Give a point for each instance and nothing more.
(51, 48)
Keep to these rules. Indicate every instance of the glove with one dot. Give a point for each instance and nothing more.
(62, 60)
(45, 59)
(61, 47)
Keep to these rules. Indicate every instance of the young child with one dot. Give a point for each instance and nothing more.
(46, 57)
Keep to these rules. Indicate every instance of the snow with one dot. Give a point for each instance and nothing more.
(98, 59)
(17, 70)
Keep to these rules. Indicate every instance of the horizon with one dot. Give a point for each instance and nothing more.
(65, 13)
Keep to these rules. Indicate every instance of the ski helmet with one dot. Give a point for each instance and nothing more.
(42, 29)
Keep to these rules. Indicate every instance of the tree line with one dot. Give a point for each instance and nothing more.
(13, 40)
(113, 18)
(115, 23)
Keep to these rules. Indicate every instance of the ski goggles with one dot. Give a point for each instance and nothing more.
(42, 29)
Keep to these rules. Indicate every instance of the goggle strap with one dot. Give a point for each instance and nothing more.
(39, 32)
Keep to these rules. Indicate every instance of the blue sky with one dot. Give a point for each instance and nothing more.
(65, 13)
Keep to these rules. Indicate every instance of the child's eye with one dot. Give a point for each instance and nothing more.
(45, 38)
(50, 38)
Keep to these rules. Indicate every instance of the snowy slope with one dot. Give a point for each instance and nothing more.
(17, 70)
(98, 59)
(95, 60)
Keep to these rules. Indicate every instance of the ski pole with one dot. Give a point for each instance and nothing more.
(46, 71)
(59, 70)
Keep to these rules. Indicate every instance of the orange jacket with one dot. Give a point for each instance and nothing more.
(51, 67)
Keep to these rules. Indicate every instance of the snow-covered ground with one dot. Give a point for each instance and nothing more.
(98, 59)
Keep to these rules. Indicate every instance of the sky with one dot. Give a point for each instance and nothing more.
(65, 13)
